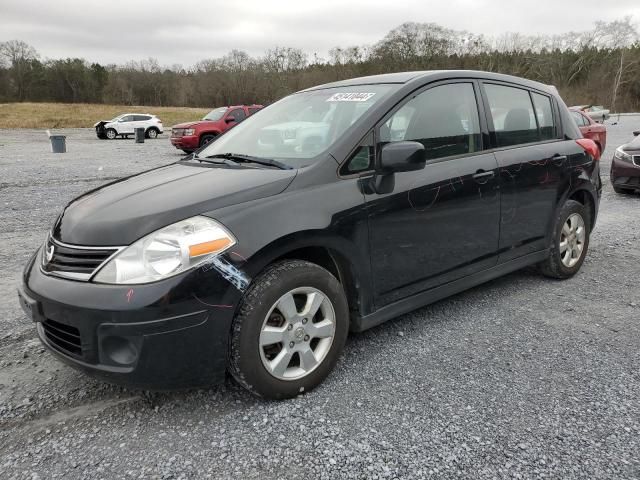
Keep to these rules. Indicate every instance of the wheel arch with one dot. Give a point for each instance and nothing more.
(215, 133)
(335, 254)
(586, 198)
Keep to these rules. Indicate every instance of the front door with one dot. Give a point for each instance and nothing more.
(441, 223)
(127, 124)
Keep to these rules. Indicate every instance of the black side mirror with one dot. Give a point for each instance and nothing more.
(636, 133)
(229, 120)
(402, 157)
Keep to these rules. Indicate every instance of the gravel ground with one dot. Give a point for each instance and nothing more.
(522, 377)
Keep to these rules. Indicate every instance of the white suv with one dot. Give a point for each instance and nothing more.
(125, 125)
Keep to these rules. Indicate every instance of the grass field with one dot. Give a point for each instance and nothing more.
(74, 115)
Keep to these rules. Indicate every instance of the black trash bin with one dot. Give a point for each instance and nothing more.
(140, 135)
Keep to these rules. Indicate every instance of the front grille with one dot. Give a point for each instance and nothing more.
(63, 337)
(636, 160)
(74, 261)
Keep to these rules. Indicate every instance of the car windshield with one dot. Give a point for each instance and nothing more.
(299, 126)
(215, 114)
(116, 118)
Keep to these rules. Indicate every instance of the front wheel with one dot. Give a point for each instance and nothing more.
(291, 327)
(111, 133)
(570, 241)
(206, 139)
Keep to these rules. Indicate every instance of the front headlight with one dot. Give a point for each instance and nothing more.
(189, 131)
(167, 252)
(622, 155)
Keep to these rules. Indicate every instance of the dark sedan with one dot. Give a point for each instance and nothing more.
(625, 166)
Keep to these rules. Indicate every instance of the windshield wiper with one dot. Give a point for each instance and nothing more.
(223, 161)
(250, 159)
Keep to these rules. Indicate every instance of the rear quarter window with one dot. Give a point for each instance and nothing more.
(544, 113)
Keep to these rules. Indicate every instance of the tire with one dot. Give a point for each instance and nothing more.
(110, 133)
(207, 138)
(187, 151)
(252, 356)
(152, 133)
(564, 261)
(622, 191)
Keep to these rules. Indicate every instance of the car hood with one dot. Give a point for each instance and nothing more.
(121, 212)
(633, 145)
(191, 124)
(101, 121)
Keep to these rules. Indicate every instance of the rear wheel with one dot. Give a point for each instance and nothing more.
(570, 241)
(152, 133)
(110, 133)
(291, 327)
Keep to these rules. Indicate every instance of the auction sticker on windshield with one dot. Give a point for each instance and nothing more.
(350, 97)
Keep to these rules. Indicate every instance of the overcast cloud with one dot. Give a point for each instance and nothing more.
(116, 31)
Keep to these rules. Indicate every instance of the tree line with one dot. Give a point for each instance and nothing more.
(596, 66)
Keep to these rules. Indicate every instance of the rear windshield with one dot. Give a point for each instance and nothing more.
(300, 126)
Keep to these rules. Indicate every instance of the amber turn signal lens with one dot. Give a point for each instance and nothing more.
(208, 247)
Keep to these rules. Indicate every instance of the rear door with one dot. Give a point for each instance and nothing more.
(143, 121)
(532, 159)
(440, 223)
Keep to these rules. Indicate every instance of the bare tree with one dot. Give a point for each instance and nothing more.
(19, 55)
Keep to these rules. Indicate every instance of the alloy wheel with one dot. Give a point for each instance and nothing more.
(572, 240)
(297, 333)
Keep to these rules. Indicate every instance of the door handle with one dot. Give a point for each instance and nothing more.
(483, 175)
(560, 158)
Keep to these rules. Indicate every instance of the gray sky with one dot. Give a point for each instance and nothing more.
(115, 31)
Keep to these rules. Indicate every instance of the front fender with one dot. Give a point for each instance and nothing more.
(331, 216)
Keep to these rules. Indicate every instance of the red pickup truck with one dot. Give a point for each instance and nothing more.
(192, 135)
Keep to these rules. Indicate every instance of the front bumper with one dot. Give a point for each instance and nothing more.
(625, 174)
(188, 142)
(164, 335)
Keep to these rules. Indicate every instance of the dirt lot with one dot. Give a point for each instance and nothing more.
(522, 377)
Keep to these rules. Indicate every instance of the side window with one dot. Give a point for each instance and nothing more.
(544, 112)
(237, 114)
(127, 118)
(444, 119)
(362, 159)
(513, 116)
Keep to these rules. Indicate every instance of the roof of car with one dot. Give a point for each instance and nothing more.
(406, 77)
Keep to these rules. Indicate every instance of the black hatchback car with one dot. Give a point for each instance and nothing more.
(332, 210)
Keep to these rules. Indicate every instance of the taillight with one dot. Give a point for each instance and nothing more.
(590, 147)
